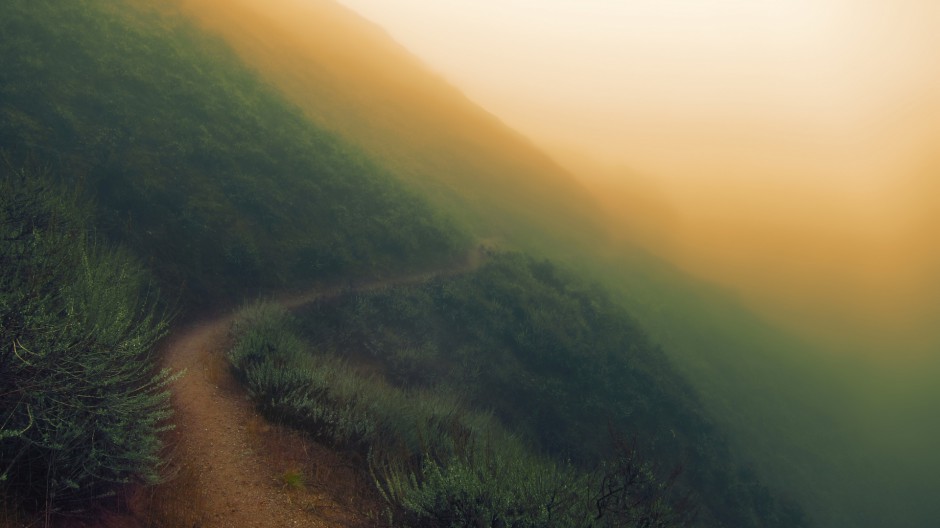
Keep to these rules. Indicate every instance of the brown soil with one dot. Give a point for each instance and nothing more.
(243, 466)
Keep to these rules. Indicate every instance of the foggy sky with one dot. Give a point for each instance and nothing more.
(630, 81)
(789, 142)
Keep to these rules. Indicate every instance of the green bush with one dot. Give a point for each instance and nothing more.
(331, 399)
(502, 486)
(81, 404)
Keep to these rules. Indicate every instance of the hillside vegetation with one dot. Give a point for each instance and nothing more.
(201, 171)
(193, 160)
(550, 356)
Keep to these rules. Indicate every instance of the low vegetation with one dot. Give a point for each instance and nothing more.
(431, 457)
(555, 357)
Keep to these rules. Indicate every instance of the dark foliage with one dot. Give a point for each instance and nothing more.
(81, 403)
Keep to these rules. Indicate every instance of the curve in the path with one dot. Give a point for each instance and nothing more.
(239, 487)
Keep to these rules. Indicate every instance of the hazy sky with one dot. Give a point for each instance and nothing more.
(830, 95)
(632, 79)
(792, 136)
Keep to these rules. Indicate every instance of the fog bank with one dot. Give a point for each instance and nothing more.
(786, 143)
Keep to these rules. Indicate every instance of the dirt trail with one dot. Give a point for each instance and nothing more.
(239, 480)
(238, 459)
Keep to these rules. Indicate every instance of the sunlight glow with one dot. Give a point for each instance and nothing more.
(790, 138)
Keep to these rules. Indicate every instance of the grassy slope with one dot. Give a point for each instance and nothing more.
(194, 161)
(770, 388)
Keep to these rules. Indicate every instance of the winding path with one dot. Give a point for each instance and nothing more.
(238, 461)
(219, 436)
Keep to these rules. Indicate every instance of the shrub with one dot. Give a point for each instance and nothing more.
(495, 486)
(631, 494)
(81, 404)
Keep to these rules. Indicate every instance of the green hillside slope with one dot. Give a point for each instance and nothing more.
(193, 160)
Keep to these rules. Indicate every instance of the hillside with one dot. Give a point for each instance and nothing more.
(196, 162)
(348, 75)
(501, 392)
(795, 408)
(224, 189)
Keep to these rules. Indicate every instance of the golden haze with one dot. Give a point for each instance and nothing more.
(786, 149)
